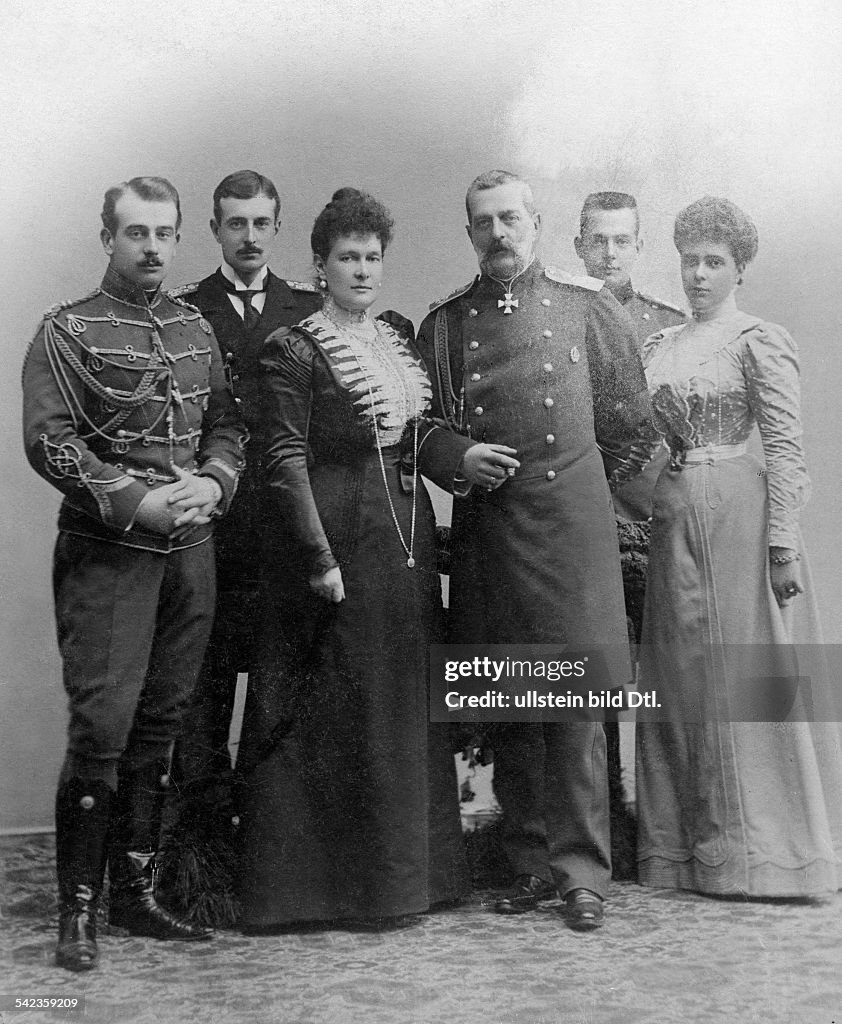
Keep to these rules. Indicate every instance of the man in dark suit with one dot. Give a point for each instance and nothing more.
(244, 302)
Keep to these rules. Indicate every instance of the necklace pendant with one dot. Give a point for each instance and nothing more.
(410, 562)
(508, 302)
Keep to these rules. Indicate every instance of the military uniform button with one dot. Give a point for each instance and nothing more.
(472, 312)
(549, 403)
(121, 433)
(550, 438)
(87, 803)
(545, 302)
(479, 410)
(475, 377)
(548, 333)
(551, 474)
(548, 367)
(645, 316)
(474, 345)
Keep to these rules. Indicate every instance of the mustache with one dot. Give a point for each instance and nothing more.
(249, 250)
(151, 261)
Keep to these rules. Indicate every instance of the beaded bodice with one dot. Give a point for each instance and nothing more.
(711, 380)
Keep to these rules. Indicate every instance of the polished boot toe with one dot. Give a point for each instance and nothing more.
(77, 948)
(133, 906)
(583, 910)
(523, 895)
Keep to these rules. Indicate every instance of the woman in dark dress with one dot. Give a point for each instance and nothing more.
(349, 808)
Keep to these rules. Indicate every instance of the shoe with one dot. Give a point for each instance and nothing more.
(132, 905)
(77, 948)
(523, 895)
(134, 840)
(583, 910)
(83, 808)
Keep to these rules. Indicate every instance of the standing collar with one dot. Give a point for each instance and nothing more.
(624, 294)
(119, 287)
(525, 278)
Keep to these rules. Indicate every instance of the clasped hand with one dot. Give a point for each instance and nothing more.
(489, 465)
(175, 509)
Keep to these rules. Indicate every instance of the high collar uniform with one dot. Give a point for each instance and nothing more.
(535, 561)
(118, 389)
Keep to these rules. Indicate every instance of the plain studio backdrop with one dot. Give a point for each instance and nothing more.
(667, 100)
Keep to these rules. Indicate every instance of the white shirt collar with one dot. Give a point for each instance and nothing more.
(231, 275)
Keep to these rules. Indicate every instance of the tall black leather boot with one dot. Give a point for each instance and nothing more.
(83, 809)
(135, 831)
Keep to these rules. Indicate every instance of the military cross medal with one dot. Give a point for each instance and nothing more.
(508, 302)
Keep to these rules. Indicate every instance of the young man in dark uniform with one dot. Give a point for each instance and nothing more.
(244, 302)
(610, 245)
(127, 413)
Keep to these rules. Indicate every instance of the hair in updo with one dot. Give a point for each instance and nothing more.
(717, 220)
(350, 212)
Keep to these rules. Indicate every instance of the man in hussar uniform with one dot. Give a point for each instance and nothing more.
(609, 244)
(529, 367)
(127, 413)
(244, 302)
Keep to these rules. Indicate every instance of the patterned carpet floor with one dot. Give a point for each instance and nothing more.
(663, 958)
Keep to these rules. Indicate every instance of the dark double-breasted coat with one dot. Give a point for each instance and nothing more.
(535, 561)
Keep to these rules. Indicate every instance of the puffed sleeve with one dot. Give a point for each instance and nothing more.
(774, 393)
(287, 359)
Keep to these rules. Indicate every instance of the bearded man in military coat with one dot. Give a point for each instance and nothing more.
(532, 367)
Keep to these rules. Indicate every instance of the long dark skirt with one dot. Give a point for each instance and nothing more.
(349, 807)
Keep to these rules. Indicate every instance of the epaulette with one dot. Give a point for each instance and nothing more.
(301, 286)
(185, 289)
(593, 284)
(54, 310)
(453, 295)
(660, 304)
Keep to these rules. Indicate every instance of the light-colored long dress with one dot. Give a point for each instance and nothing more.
(730, 806)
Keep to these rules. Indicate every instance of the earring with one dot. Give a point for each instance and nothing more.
(322, 283)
